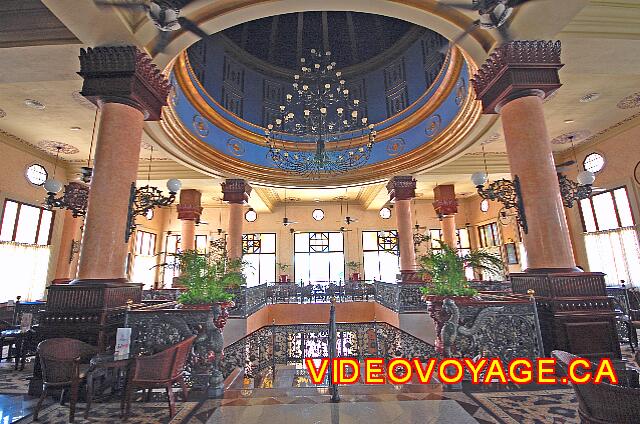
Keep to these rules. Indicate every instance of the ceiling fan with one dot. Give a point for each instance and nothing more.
(344, 230)
(347, 219)
(494, 14)
(285, 220)
(165, 15)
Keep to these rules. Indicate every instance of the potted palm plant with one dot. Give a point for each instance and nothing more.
(284, 277)
(209, 279)
(445, 269)
(354, 267)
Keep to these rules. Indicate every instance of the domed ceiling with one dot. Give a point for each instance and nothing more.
(229, 88)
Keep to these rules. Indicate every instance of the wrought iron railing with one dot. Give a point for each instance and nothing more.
(288, 344)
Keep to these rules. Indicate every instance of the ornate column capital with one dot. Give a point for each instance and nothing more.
(401, 188)
(517, 69)
(123, 74)
(189, 208)
(235, 190)
(445, 200)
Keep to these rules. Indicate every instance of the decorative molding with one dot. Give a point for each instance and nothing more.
(30, 148)
(516, 68)
(123, 75)
(401, 188)
(2, 113)
(575, 136)
(368, 194)
(630, 101)
(53, 147)
(235, 190)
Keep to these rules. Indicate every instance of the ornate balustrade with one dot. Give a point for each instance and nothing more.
(286, 344)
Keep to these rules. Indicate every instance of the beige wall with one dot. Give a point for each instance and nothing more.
(301, 213)
(14, 185)
(621, 153)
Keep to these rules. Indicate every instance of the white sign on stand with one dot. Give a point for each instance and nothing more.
(123, 342)
(25, 321)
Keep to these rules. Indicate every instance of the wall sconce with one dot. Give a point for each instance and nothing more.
(505, 191)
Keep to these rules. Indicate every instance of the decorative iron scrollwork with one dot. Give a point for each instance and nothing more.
(508, 193)
(571, 191)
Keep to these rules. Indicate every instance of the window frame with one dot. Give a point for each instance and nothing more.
(615, 208)
(261, 253)
(604, 161)
(153, 237)
(495, 235)
(17, 219)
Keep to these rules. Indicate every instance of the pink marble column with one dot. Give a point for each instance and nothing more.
(446, 206)
(401, 190)
(189, 211)
(547, 242)
(448, 225)
(66, 265)
(234, 232)
(513, 82)
(104, 247)
(128, 89)
(236, 193)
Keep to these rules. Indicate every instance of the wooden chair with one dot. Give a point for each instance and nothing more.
(605, 403)
(160, 370)
(20, 343)
(61, 360)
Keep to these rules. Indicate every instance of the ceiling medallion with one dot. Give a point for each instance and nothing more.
(492, 138)
(321, 111)
(629, 102)
(589, 97)
(52, 146)
(573, 136)
(34, 104)
(2, 113)
(200, 125)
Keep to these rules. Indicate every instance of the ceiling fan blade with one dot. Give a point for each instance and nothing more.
(140, 5)
(457, 40)
(459, 5)
(192, 27)
(163, 41)
(565, 164)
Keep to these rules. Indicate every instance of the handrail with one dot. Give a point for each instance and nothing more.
(333, 341)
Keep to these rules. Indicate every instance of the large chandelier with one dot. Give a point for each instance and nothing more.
(322, 113)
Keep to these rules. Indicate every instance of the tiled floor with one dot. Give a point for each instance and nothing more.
(289, 399)
(290, 402)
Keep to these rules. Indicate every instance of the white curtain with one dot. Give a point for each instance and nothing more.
(144, 271)
(616, 253)
(23, 271)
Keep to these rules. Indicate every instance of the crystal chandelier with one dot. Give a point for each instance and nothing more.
(320, 112)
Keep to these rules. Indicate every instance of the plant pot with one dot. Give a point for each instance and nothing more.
(196, 306)
(355, 276)
(284, 278)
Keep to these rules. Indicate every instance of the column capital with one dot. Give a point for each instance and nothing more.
(189, 208)
(517, 69)
(235, 190)
(445, 200)
(123, 74)
(401, 188)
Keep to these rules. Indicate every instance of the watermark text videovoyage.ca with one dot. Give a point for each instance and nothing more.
(453, 371)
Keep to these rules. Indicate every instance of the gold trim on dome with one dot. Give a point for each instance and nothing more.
(208, 158)
(182, 72)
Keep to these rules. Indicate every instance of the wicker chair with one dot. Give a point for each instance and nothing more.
(61, 360)
(605, 403)
(161, 370)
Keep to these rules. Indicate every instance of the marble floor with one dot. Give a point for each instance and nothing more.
(288, 399)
